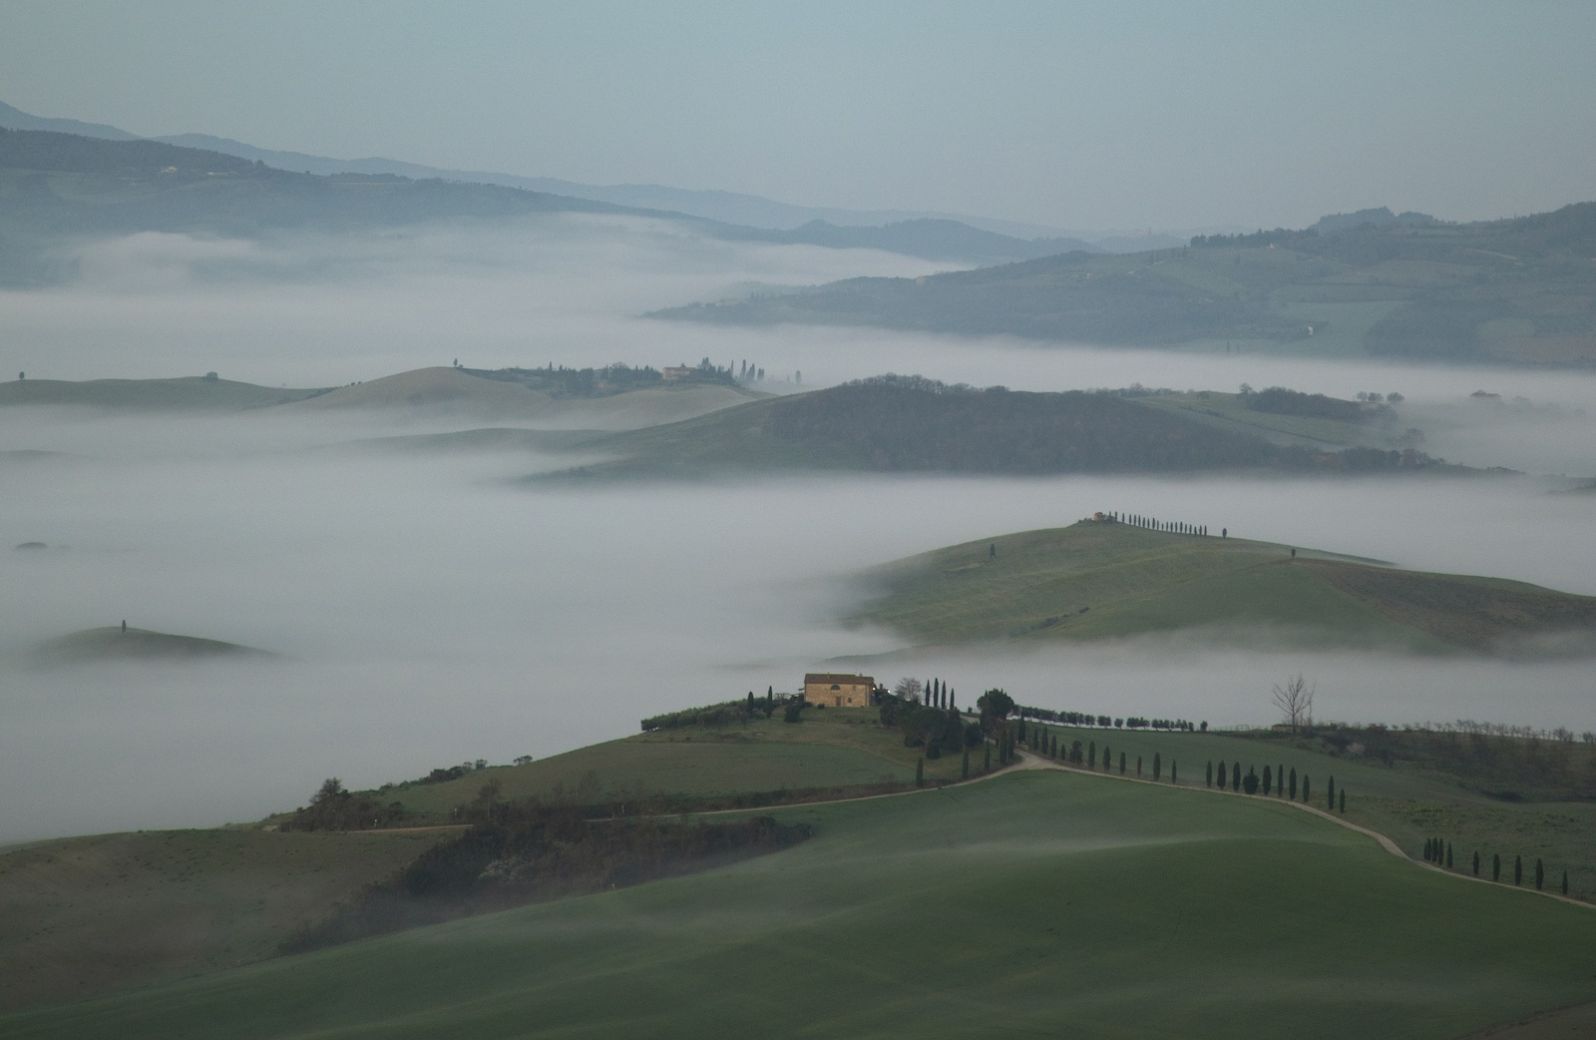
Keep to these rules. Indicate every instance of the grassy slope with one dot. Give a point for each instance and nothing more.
(1032, 904)
(1228, 412)
(187, 393)
(831, 748)
(111, 643)
(1134, 581)
(87, 915)
(882, 427)
(459, 392)
(1405, 802)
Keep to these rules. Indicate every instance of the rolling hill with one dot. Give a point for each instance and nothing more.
(907, 424)
(115, 644)
(479, 396)
(85, 916)
(1029, 904)
(1095, 581)
(188, 393)
(1519, 291)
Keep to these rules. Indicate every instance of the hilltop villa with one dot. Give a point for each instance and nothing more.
(838, 691)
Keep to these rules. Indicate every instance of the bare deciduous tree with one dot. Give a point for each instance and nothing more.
(907, 689)
(1295, 701)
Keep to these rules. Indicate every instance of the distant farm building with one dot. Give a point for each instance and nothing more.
(677, 373)
(838, 691)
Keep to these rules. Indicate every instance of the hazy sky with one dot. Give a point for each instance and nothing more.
(1080, 115)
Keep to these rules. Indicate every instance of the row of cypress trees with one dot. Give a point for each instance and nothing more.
(1276, 781)
(1439, 852)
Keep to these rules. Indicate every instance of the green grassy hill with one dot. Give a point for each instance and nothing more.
(833, 749)
(1518, 290)
(195, 393)
(135, 644)
(464, 393)
(87, 915)
(1110, 580)
(1037, 903)
(1515, 798)
(908, 424)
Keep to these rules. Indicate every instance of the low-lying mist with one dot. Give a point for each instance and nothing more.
(432, 609)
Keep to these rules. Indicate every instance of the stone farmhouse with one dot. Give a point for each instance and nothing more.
(839, 691)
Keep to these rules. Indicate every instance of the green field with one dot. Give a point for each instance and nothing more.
(1109, 580)
(832, 748)
(1406, 801)
(1033, 904)
(86, 915)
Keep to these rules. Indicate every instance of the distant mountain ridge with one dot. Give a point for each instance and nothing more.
(1373, 283)
(723, 207)
(54, 184)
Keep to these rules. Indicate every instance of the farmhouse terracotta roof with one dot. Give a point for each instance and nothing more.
(840, 680)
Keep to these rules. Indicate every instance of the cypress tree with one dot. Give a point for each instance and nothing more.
(1268, 782)
(1476, 862)
(1280, 779)
(1158, 766)
(1173, 766)
(1305, 789)
(1429, 849)
(1235, 776)
(1496, 866)
(1565, 882)
(1122, 763)
(919, 772)
(1223, 773)
(1293, 783)
(1107, 757)
(1540, 874)
(1208, 775)
(1518, 870)
(1330, 795)
(1138, 765)
(1055, 746)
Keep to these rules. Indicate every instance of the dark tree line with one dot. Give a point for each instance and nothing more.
(1152, 523)
(1093, 720)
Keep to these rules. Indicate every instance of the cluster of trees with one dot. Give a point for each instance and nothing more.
(1084, 718)
(1278, 400)
(1152, 523)
(937, 730)
(933, 692)
(332, 808)
(531, 851)
(722, 714)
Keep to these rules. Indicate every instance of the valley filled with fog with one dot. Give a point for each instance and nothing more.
(431, 607)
